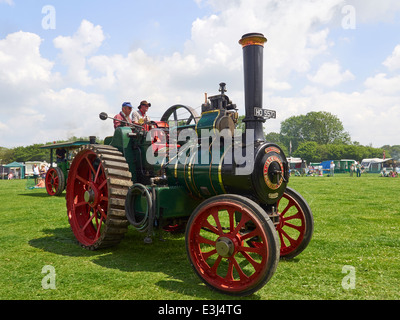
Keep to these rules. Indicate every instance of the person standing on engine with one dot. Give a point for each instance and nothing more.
(140, 117)
(122, 119)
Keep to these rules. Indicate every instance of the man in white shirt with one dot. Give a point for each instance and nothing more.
(140, 117)
(35, 173)
(332, 167)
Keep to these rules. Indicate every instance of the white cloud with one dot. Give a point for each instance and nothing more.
(18, 67)
(23, 73)
(294, 39)
(76, 49)
(56, 115)
(393, 61)
(384, 85)
(330, 75)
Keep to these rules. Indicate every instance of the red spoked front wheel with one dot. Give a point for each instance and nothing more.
(296, 224)
(54, 181)
(232, 244)
(98, 181)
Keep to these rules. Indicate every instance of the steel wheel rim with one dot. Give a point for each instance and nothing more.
(229, 259)
(87, 208)
(292, 225)
(52, 181)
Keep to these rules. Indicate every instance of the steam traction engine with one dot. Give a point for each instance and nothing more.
(240, 216)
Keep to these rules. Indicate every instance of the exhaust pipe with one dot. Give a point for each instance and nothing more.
(253, 50)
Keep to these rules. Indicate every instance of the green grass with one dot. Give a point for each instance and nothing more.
(357, 223)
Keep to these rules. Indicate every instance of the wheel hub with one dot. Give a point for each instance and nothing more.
(89, 196)
(225, 247)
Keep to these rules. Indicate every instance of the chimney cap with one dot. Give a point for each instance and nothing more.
(253, 38)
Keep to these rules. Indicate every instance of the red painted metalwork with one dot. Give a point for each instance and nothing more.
(87, 210)
(52, 181)
(230, 248)
(292, 224)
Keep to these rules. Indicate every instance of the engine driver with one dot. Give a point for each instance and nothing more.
(140, 117)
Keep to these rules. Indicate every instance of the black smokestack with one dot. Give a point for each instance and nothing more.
(253, 50)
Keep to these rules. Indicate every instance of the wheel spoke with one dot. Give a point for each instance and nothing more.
(217, 221)
(99, 227)
(90, 165)
(250, 235)
(102, 212)
(231, 212)
(99, 169)
(282, 234)
(288, 206)
(298, 228)
(242, 275)
(201, 239)
(241, 224)
(229, 274)
(254, 263)
(210, 227)
(78, 204)
(102, 185)
(283, 244)
(298, 215)
(84, 181)
(208, 254)
(214, 268)
(257, 250)
(88, 221)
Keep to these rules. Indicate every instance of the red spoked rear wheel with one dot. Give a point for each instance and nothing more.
(96, 192)
(296, 224)
(55, 181)
(232, 244)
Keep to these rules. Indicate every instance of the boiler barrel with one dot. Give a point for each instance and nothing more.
(204, 174)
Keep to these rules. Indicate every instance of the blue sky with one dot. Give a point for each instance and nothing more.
(159, 27)
(55, 82)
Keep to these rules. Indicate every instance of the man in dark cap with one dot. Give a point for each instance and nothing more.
(122, 119)
(140, 117)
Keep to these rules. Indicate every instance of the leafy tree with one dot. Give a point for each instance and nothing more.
(6, 155)
(31, 153)
(275, 137)
(324, 128)
(392, 151)
(308, 151)
(321, 127)
(292, 131)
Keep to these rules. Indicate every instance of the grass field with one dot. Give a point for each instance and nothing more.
(357, 224)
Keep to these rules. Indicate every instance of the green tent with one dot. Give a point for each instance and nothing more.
(17, 165)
